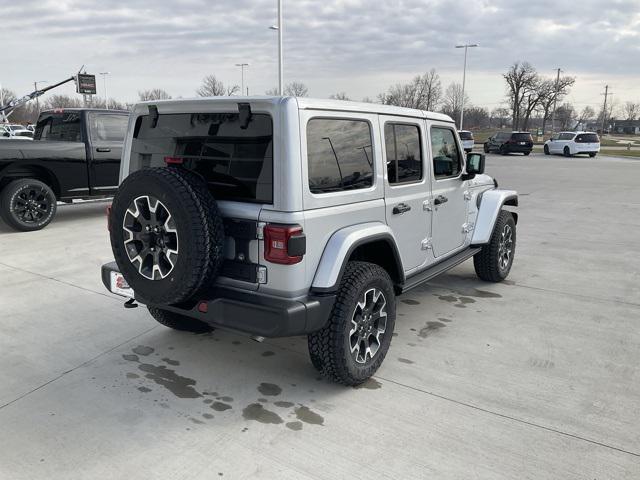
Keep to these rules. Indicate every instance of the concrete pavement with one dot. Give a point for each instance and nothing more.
(537, 377)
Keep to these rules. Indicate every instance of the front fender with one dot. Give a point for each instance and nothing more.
(339, 248)
(490, 205)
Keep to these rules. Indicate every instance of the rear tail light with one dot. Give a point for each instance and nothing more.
(173, 160)
(284, 244)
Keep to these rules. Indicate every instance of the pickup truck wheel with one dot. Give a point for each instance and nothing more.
(166, 234)
(353, 344)
(27, 204)
(178, 322)
(494, 261)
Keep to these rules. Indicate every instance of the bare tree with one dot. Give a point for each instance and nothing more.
(153, 94)
(452, 100)
(476, 117)
(565, 114)
(501, 115)
(631, 110)
(587, 114)
(339, 96)
(272, 92)
(368, 100)
(296, 89)
(424, 92)
(212, 87)
(62, 101)
(552, 91)
(522, 80)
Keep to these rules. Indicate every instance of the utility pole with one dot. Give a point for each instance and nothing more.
(555, 104)
(104, 83)
(464, 77)
(279, 28)
(604, 107)
(242, 65)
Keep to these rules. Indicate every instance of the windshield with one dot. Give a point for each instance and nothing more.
(236, 162)
(466, 135)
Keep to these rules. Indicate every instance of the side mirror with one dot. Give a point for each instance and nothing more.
(475, 165)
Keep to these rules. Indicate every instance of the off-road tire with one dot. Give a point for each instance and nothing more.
(329, 347)
(200, 233)
(566, 151)
(44, 204)
(546, 150)
(179, 322)
(487, 262)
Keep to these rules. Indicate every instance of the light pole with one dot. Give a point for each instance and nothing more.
(464, 77)
(279, 28)
(35, 86)
(242, 65)
(104, 82)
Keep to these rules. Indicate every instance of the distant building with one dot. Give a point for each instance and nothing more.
(626, 126)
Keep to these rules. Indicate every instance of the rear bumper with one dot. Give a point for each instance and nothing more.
(518, 148)
(249, 312)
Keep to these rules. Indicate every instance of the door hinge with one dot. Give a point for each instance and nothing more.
(467, 227)
(260, 230)
(467, 195)
(426, 206)
(426, 244)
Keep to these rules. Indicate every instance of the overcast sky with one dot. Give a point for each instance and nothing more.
(356, 46)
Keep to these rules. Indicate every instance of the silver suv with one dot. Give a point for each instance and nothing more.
(281, 216)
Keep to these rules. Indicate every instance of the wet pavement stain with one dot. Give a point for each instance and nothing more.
(295, 426)
(208, 416)
(369, 384)
(131, 358)
(283, 404)
(509, 282)
(132, 375)
(236, 342)
(263, 400)
(445, 320)
(225, 399)
(466, 300)
(268, 353)
(144, 389)
(406, 360)
(180, 386)
(175, 363)
(208, 400)
(474, 292)
(308, 416)
(195, 420)
(257, 412)
(269, 389)
(430, 328)
(409, 301)
(220, 407)
(142, 350)
(447, 298)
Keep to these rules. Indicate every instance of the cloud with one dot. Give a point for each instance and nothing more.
(359, 46)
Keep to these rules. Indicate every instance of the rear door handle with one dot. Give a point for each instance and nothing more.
(401, 208)
(440, 199)
(103, 149)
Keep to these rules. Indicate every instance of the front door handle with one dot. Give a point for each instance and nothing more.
(103, 149)
(440, 199)
(401, 208)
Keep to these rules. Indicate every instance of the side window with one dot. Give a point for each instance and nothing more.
(61, 128)
(404, 155)
(108, 128)
(447, 161)
(339, 155)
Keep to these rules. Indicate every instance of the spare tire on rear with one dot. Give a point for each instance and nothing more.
(167, 234)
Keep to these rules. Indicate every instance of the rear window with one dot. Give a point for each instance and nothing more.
(521, 137)
(236, 162)
(466, 135)
(587, 138)
(107, 127)
(61, 127)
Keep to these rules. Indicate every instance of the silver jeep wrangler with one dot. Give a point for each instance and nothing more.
(290, 216)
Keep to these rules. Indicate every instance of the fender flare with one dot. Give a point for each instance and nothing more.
(342, 244)
(491, 203)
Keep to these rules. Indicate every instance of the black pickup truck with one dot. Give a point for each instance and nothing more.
(75, 154)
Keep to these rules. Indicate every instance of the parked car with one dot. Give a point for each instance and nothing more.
(573, 143)
(75, 155)
(467, 140)
(284, 216)
(509, 142)
(9, 130)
